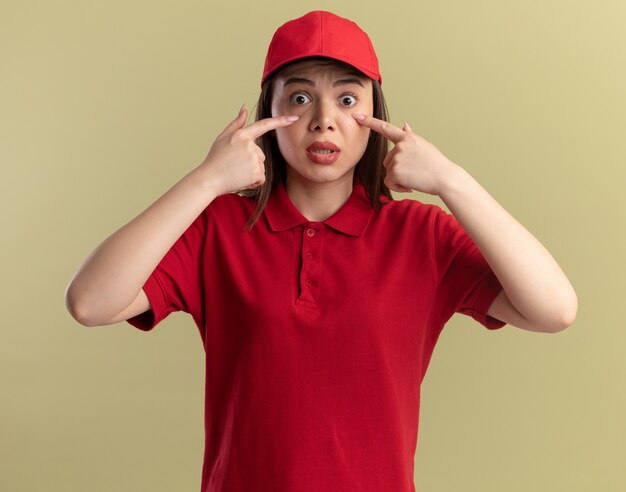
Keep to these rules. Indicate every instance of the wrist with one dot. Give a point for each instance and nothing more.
(456, 181)
(205, 183)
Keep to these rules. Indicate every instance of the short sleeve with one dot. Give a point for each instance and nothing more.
(176, 282)
(466, 283)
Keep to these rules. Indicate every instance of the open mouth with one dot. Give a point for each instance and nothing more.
(325, 156)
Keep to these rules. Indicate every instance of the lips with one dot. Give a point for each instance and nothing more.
(317, 145)
(329, 156)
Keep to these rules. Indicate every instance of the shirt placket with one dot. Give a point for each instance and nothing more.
(311, 256)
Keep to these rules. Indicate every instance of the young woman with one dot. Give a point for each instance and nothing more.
(319, 298)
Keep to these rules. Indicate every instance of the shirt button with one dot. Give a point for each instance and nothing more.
(308, 282)
(310, 232)
(309, 254)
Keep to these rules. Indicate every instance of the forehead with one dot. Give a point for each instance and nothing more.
(320, 67)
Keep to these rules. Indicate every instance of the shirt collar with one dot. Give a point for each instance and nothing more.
(352, 218)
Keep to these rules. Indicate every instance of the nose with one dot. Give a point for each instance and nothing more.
(323, 116)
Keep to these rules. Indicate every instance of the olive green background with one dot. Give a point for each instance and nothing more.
(105, 105)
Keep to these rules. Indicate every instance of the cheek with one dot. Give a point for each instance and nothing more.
(363, 134)
(285, 137)
(285, 134)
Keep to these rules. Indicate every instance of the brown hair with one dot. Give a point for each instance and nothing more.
(369, 170)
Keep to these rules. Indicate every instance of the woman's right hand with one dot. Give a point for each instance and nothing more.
(235, 161)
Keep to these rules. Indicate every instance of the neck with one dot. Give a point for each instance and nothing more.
(318, 201)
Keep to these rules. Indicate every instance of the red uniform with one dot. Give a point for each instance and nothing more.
(317, 335)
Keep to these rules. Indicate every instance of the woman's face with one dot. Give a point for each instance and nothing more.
(324, 95)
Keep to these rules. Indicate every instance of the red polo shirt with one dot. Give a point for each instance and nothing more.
(317, 335)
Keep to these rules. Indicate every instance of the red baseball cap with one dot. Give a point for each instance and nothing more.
(322, 33)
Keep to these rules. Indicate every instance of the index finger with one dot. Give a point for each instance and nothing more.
(258, 128)
(383, 127)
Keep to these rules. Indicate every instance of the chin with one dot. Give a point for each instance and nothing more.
(325, 175)
(319, 173)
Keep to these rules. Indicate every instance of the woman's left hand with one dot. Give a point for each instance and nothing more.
(414, 163)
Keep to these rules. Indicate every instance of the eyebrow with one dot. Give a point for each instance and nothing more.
(295, 80)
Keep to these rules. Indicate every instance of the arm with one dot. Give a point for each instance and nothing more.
(536, 295)
(107, 286)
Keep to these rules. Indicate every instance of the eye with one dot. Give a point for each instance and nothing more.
(297, 97)
(348, 96)
(300, 98)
